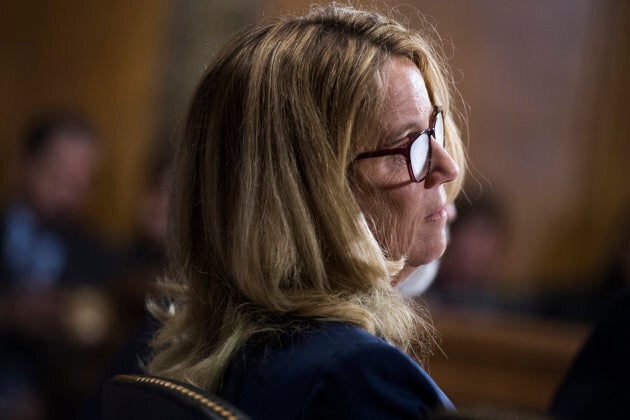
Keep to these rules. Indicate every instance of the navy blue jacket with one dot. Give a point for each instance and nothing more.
(330, 370)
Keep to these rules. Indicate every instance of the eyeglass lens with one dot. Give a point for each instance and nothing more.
(419, 151)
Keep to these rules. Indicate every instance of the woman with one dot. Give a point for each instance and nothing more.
(310, 180)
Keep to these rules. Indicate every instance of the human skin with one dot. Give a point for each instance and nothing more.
(57, 183)
(409, 217)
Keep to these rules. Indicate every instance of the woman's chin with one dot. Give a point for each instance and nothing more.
(430, 252)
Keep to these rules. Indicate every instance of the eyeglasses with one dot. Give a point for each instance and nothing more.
(417, 150)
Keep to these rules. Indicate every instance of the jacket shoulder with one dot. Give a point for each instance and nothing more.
(367, 377)
(331, 370)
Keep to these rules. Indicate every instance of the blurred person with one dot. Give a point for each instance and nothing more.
(317, 159)
(144, 261)
(58, 158)
(45, 253)
(469, 267)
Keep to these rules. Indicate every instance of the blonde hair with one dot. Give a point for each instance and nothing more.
(264, 227)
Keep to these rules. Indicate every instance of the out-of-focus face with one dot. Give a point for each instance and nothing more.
(410, 217)
(58, 181)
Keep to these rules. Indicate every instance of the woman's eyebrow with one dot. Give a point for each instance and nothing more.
(398, 133)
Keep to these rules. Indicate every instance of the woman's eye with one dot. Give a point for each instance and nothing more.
(400, 160)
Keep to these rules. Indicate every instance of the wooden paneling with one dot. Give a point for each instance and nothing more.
(501, 360)
(101, 58)
(594, 233)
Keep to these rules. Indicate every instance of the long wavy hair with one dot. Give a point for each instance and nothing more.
(264, 226)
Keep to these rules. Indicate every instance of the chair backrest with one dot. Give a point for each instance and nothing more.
(136, 396)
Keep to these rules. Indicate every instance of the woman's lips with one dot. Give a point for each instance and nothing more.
(438, 215)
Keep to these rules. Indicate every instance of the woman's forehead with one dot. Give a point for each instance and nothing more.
(406, 104)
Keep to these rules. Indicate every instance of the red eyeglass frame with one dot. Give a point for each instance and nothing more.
(405, 150)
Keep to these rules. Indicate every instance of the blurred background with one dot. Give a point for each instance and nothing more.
(539, 247)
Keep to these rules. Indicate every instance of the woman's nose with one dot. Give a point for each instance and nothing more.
(443, 167)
